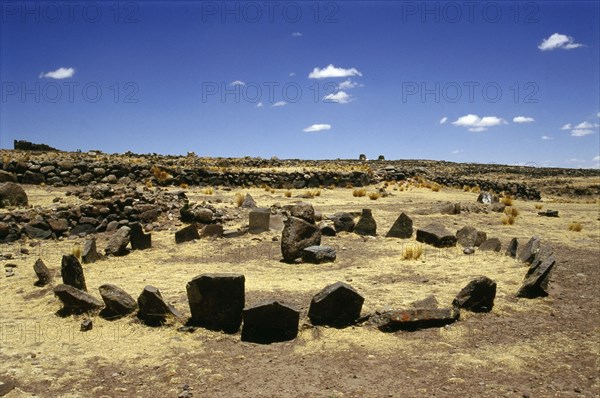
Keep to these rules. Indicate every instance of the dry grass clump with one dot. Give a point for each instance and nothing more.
(76, 251)
(288, 194)
(476, 189)
(539, 206)
(184, 185)
(466, 188)
(359, 193)
(575, 226)
(209, 191)
(239, 199)
(374, 195)
(148, 184)
(508, 219)
(435, 187)
(507, 200)
(511, 211)
(349, 185)
(412, 252)
(311, 193)
(161, 175)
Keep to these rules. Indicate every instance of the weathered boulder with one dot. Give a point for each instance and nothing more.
(298, 234)
(437, 235)
(34, 231)
(72, 272)
(429, 302)
(12, 194)
(270, 322)
(343, 222)
(487, 198)
(117, 245)
(259, 220)
(248, 202)
(42, 272)
(90, 253)
(477, 296)
(75, 300)
(417, 318)
(153, 310)
(212, 231)
(318, 254)
(549, 213)
(528, 252)
(118, 302)
(366, 224)
(402, 228)
(196, 214)
(303, 210)
(216, 301)
(537, 278)
(512, 248)
(58, 226)
(5, 176)
(470, 237)
(336, 305)
(187, 234)
(139, 239)
(449, 208)
(491, 244)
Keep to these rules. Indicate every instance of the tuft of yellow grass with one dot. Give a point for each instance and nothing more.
(209, 191)
(511, 211)
(359, 193)
(466, 188)
(288, 194)
(412, 252)
(311, 193)
(76, 251)
(239, 199)
(435, 187)
(575, 226)
(539, 206)
(507, 200)
(508, 219)
(374, 195)
(184, 185)
(476, 189)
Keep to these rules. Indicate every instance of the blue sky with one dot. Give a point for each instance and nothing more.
(502, 82)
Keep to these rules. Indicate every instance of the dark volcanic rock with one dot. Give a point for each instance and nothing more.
(549, 213)
(343, 222)
(428, 302)
(366, 224)
(304, 211)
(42, 272)
(86, 325)
(72, 272)
(248, 202)
(212, 231)
(327, 229)
(402, 228)
(492, 244)
(118, 301)
(90, 253)
(270, 322)
(117, 245)
(477, 296)
(470, 237)
(512, 248)
(58, 226)
(139, 239)
(34, 232)
(528, 252)
(75, 300)
(216, 301)
(187, 234)
(297, 235)
(259, 220)
(436, 235)
(12, 194)
(336, 305)
(5, 176)
(537, 278)
(417, 318)
(154, 311)
(196, 214)
(85, 229)
(318, 254)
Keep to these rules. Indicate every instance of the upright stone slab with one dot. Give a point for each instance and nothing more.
(537, 278)
(477, 296)
(139, 239)
(90, 253)
(42, 272)
(512, 248)
(343, 222)
(528, 252)
(366, 224)
(118, 302)
(72, 272)
(437, 235)
(337, 305)
(402, 228)
(270, 322)
(117, 245)
(248, 202)
(470, 237)
(216, 301)
(153, 310)
(492, 244)
(259, 220)
(298, 234)
(187, 234)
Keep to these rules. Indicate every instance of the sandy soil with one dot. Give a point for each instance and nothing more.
(548, 347)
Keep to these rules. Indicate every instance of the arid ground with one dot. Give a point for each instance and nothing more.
(544, 347)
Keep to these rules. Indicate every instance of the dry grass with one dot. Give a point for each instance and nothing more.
(208, 191)
(539, 206)
(239, 199)
(76, 251)
(288, 194)
(507, 200)
(161, 175)
(148, 184)
(184, 185)
(435, 187)
(511, 211)
(476, 189)
(359, 193)
(575, 226)
(466, 188)
(374, 195)
(412, 252)
(508, 219)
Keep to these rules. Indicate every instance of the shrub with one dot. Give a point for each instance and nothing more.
(311, 193)
(359, 193)
(466, 188)
(476, 189)
(288, 194)
(539, 206)
(412, 252)
(184, 185)
(209, 191)
(239, 199)
(374, 195)
(508, 219)
(436, 187)
(575, 226)
(511, 211)
(507, 200)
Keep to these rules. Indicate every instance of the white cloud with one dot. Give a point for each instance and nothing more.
(475, 123)
(443, 120)
(260, 105)
(596, 159)
(558, 40)
(341, 97)
(292, 74)
(598, 115)
(237, 83)
(60, 73)
(317, 127)
(457, 151)
(332, 71)
(580, 132)
(280, 103)
(523, 119)
(348, 84)
(297, 34)
(545, 137)
(567, 126)
(585, 125)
